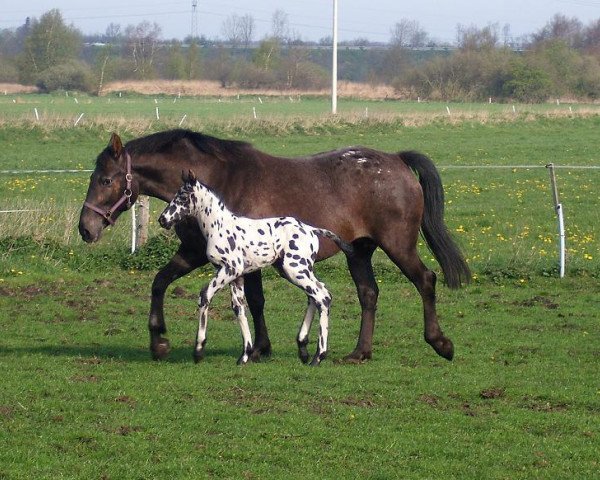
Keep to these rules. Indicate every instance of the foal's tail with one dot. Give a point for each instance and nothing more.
(455, 268)
(345, 247)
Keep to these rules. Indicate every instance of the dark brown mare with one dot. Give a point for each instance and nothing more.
(371, 198)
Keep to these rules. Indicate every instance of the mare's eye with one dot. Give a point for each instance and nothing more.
(105, 182)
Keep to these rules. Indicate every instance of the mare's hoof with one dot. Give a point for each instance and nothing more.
(357, 356)
(443, 347)
(258, 352)
(160, 349)
(243, 360)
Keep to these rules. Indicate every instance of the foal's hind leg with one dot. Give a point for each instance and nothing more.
(237, 304)
(302, 339)
(424, 280)
(302, 276)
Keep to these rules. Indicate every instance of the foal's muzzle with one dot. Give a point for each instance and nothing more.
(164, 223)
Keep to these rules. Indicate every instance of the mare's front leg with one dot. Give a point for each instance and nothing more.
(237, 304)
(206, 295)
(183, 262)
(256, 303)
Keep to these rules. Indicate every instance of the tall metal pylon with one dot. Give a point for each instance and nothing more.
(194, 31)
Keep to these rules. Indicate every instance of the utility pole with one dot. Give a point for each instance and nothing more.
(194, 31)
(334, 59)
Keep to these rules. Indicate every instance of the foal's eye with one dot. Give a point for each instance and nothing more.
(105, 182)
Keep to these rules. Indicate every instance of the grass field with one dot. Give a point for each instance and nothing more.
(80, 397)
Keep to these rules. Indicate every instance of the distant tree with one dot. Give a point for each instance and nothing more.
(560, 27)
(326, 41)
(142, 42)
(238, 30)
(591, 38)
(49, 42)
(113, 33)
(193, 62)
(280, 25)
(230, 30)
(12, 41)
(527, 83)
(247, 27)
(69, 75)
(176, 62)
(408, 34)
(473, 38)
(268, 54)
(102, 67)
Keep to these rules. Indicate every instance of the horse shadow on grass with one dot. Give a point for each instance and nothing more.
(116, 352)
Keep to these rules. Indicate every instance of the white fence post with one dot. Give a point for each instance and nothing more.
(561, 220)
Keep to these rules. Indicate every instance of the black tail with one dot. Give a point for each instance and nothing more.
(455, 268)
(346, 247)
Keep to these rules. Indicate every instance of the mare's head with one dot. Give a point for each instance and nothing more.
(182, 204)
(112, 190)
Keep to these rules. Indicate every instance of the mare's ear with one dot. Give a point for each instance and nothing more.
(116, 145)
(191, 176)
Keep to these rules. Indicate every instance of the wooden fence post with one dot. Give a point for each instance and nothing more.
(143, 219)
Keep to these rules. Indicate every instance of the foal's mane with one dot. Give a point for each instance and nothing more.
(162, 142)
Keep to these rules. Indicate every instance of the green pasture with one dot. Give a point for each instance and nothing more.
(80, 397)
(206, 109)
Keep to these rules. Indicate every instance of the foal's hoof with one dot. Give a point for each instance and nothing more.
(160, 349)
(443, 347)
(303, 353)
(198, 355)
(303, 350)
(317, 359)
(357, 356)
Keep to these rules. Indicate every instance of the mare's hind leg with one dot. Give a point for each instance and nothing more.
(237, 304)
(361, 271)
(256, 303)
(183, 262)
(407, 259)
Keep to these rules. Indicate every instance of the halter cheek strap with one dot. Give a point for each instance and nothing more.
(125, 198)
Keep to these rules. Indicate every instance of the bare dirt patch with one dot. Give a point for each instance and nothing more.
(538, 300)
(492, 393)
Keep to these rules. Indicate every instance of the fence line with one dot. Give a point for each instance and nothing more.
(466, 167)
(135, 244)
(17, 172)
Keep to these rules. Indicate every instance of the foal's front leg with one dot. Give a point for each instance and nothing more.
(221, 279)
(237, 304)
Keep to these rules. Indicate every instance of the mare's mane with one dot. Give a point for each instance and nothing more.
(162, 142)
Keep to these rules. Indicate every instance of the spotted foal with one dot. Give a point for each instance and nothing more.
(239, 245)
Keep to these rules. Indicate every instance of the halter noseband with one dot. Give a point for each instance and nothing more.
(126, 197)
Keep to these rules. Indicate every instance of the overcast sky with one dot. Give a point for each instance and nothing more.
(311, 19)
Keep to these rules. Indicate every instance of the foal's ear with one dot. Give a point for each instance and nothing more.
(190, 177)
(116, 145)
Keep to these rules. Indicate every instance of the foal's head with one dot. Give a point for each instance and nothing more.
(182, 204)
